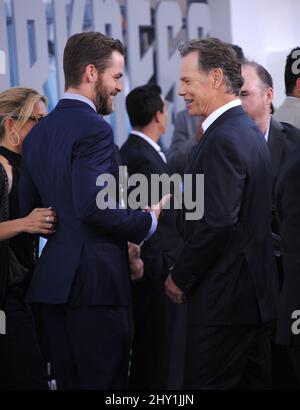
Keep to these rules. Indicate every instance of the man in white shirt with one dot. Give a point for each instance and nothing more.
(142, 154)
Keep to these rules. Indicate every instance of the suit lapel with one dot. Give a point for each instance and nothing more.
(232, 112)
(276, 143)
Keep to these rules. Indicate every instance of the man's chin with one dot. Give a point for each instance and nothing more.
(106, 111)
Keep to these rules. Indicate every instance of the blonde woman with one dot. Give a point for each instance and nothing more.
(21, 364)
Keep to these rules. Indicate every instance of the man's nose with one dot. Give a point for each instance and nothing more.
(181, 91)
(120, 86)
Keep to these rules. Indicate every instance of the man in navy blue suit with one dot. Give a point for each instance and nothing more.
(82, 279)
(226, 271)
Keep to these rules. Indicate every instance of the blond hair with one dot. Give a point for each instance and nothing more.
(18, 103)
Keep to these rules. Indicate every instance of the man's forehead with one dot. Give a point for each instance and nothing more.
(250, 76)
(116, 61)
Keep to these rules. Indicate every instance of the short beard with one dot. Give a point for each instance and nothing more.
(102, 99)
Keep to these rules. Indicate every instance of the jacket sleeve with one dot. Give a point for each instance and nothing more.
(94, 157)
(29, 198)
(224, 180)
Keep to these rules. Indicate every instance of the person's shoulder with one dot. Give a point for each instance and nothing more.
(133, 148)
(183, 114)
(290, 129)
(78, 116)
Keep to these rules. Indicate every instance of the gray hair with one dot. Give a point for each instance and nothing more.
(214, 53)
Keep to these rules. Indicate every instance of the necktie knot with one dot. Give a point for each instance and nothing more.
(200, 132)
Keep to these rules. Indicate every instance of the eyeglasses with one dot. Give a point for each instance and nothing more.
(35, 118)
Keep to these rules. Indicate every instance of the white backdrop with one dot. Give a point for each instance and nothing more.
(265, 29)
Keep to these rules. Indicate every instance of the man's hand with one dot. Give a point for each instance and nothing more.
(174, 293)
(157, 208)
(135, 262)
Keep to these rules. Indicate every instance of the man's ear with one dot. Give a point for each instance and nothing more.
(157, 117)
(270, 95)
(91, 73)
(298, 86)
(217, 77)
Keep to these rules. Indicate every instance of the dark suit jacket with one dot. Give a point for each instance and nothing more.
(227, 266)
(283, 140)
(287, 196)
(160, 251)
(86, 261)
(150, 303)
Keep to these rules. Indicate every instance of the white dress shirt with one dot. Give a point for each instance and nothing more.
(217, 113)
(268, 132)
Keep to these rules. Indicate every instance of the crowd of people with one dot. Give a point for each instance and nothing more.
(148, 299)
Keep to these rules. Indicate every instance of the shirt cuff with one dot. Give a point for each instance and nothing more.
(153, 226)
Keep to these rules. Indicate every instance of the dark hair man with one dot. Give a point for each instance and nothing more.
(226, 271)
(142, 154)
(82, 279)
(289, 111)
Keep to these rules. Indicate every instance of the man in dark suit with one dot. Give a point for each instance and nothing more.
(288, 210)
(82, 277)
(257, 97)
(226, 271)
(283, 140)
(142, 154)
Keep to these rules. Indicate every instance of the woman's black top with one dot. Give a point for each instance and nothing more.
(23, 244)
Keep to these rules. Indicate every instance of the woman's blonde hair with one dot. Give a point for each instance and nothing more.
(18, 103)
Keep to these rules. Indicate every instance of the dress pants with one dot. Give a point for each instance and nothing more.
(228, 357)
(152, 335)
(22, 366)
(294, 354)
(89, 346)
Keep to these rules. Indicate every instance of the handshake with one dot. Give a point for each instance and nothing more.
(134, 251)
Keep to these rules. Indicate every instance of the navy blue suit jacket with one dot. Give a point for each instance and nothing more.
(86, 261)
(227, 267)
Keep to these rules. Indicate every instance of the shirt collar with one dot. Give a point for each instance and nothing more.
(79, 97)
(146, 138)
(293, 98)
(268, 131)
(217, 113)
